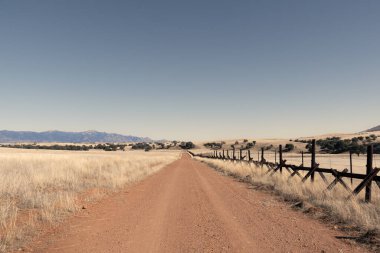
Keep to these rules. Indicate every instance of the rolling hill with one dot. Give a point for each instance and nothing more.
(374, 129)
(66, 137)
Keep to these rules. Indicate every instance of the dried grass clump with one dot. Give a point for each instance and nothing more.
(44, 187)
(336, 206)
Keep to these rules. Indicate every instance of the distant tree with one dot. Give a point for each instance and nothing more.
(376, 148)
(355, 139)
(142, 145)
(250, 145)
(289, 147)
(268, 147)
(308, 147)
(187, 145)
(213, 145)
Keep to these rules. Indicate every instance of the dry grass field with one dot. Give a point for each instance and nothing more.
(336, 161)
(43, 187)
(262, 142)
(336, 207)
(352, 212)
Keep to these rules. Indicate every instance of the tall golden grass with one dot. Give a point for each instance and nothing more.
(336, 207)
(44, 187)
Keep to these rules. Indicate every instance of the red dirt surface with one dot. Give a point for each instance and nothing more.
(189, 207)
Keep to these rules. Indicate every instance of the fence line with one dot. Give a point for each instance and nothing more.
(281, 165)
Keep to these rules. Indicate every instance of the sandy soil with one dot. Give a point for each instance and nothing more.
(188, 207)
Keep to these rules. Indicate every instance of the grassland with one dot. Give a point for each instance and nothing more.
(333, 206)
(336, 161)
(43, 187)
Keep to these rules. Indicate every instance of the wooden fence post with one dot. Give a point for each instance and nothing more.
(233, 153)
(302, 159)
(249, 155)
(313, 163)
(369, 170)
(280, 154)
(262, 154)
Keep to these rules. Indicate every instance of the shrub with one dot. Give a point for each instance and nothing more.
(268, 147)
(141, 145)
(51, 147)
(213, 145)
(187, 145)
(373, 137)
(249, 145)
(289, 147)
(336, 145)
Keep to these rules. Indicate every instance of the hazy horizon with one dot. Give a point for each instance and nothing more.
(199, 70)
(194, 139)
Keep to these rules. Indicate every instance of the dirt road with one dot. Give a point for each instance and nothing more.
(188, 207)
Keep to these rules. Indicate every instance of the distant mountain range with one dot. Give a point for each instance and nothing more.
(68, 137)
(374, 129)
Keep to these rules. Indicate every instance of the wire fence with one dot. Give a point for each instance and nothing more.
(363, 169)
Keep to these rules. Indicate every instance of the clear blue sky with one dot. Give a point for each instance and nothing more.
(190, 69)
